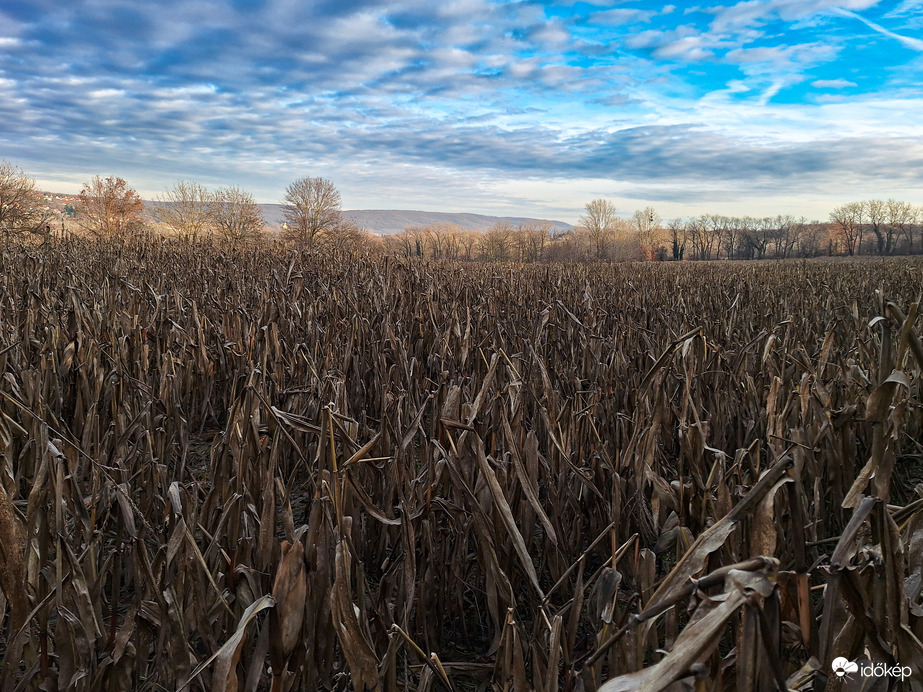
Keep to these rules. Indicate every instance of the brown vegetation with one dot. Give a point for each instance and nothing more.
(21, 209)
(236, 469)
(109, 208)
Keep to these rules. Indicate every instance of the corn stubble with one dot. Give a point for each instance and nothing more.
(230, 469)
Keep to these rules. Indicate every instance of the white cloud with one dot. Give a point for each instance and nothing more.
(750, 13)
(905, 8)
(833, 83)
(684, 43)
(769, 93)
(620, 16)
(687, 48)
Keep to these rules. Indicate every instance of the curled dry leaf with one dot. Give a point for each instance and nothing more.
(289, 591)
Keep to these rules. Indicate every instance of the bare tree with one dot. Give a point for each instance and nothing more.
(21, 208)
(915, 220)
(756, 236)
(311, 208)
(236, 215)
(497, 242)
(764, 232)
(624, 245)
(876, 212)
(780, 233)
(715, 228)
(348, 236)
(599, 223)
(677, 238)
(647, 221)
(416, 240)
(441, 239)
(452, 243)
(530, 241)
(811, 238)
(468, 240)
(733, 236)
(697, 230)
(405, 242)
(187, 209)
(901, 218)
(847, 220)
(108, 208)
(793, 236)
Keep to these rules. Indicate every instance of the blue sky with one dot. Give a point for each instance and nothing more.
(528, 108)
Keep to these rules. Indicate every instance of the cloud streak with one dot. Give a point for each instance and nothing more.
(833, 83)
(908, 41)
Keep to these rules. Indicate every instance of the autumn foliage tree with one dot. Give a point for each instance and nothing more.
(21, 210)
(108, 208)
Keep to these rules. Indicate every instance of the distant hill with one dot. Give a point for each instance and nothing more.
(388, 221)
(380, 221)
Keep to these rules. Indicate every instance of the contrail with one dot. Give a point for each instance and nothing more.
(912, 43)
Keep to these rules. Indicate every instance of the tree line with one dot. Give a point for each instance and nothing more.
(312, 216)
(869, 227)
(110, 208)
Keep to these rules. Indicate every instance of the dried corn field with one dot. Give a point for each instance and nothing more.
(253, 470)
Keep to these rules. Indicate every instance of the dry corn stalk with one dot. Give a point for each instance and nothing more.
(501, 476)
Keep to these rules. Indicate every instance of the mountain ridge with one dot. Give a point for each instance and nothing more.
(380, 221)
(390, 221)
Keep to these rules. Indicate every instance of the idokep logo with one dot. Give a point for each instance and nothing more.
(843, 667)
